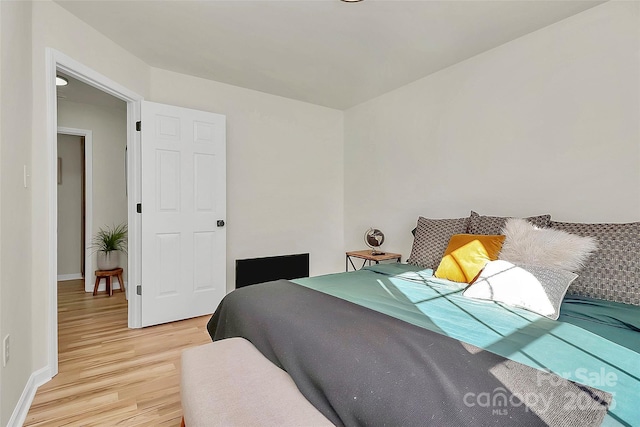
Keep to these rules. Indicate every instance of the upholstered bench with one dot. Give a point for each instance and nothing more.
(230, 383)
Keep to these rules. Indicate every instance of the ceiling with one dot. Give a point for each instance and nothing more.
(77, 91)
(325, 52)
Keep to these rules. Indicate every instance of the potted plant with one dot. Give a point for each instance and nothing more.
(108, 243)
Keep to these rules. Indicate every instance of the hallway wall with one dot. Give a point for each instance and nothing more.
(70, 245)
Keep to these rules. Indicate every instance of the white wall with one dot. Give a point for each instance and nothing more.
(522, 129)
(1, 143)
(70, 246)
(109, 131)
(547, 123)
(284, 170)
(15, 210)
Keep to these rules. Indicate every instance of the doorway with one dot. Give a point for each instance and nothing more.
(75, 204)
(58, 62)
(71, 207)
(86, 112)
(203, 169)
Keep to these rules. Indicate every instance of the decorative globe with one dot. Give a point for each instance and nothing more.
(374, 238)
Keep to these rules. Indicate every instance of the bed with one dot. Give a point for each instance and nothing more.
(394, 345)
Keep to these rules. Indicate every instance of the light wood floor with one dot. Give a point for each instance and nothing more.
(108, 374)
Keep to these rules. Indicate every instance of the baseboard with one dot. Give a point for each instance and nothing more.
(65, 277)
(21, 410)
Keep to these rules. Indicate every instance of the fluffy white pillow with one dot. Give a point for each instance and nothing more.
(528, 244)
(534, 288)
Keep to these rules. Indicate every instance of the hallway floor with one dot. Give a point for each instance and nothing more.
(108, 374)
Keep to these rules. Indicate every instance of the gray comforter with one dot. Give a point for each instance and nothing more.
(361, 367)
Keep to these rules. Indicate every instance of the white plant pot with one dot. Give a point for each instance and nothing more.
(108, 260)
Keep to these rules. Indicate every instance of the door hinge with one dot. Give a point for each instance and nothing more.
(139, 290)
(138, 126)
(139, 208)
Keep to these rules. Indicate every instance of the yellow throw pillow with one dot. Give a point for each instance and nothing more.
(466, 255)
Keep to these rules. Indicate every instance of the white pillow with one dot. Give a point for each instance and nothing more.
(534, 288)
(527, 244)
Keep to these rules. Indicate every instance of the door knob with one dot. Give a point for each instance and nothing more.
(220, 223)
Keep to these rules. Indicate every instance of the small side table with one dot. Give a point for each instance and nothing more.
(368, 257)
(108, 274)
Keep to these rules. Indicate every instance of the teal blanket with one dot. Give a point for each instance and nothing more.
(591, 356)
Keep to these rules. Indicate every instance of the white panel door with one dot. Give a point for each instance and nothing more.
(183, 198)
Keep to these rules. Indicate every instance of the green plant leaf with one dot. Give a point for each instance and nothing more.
(110, 239)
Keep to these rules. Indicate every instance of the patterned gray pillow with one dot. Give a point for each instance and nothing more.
(431, 239)
(532, 287)
(480, 224)
(613, 271)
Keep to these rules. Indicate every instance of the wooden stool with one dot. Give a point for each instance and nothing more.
(107, 274)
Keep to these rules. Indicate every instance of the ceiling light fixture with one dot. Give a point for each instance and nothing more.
(61, 81)
(351, 1)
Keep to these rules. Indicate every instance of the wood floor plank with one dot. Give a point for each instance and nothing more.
(108, 374)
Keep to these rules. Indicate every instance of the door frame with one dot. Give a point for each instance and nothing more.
(88, 198)
(57, 61)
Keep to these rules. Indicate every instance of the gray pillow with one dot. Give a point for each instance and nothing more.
(532, 287)
(431, 239)
(480, 224)
(613, 271)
